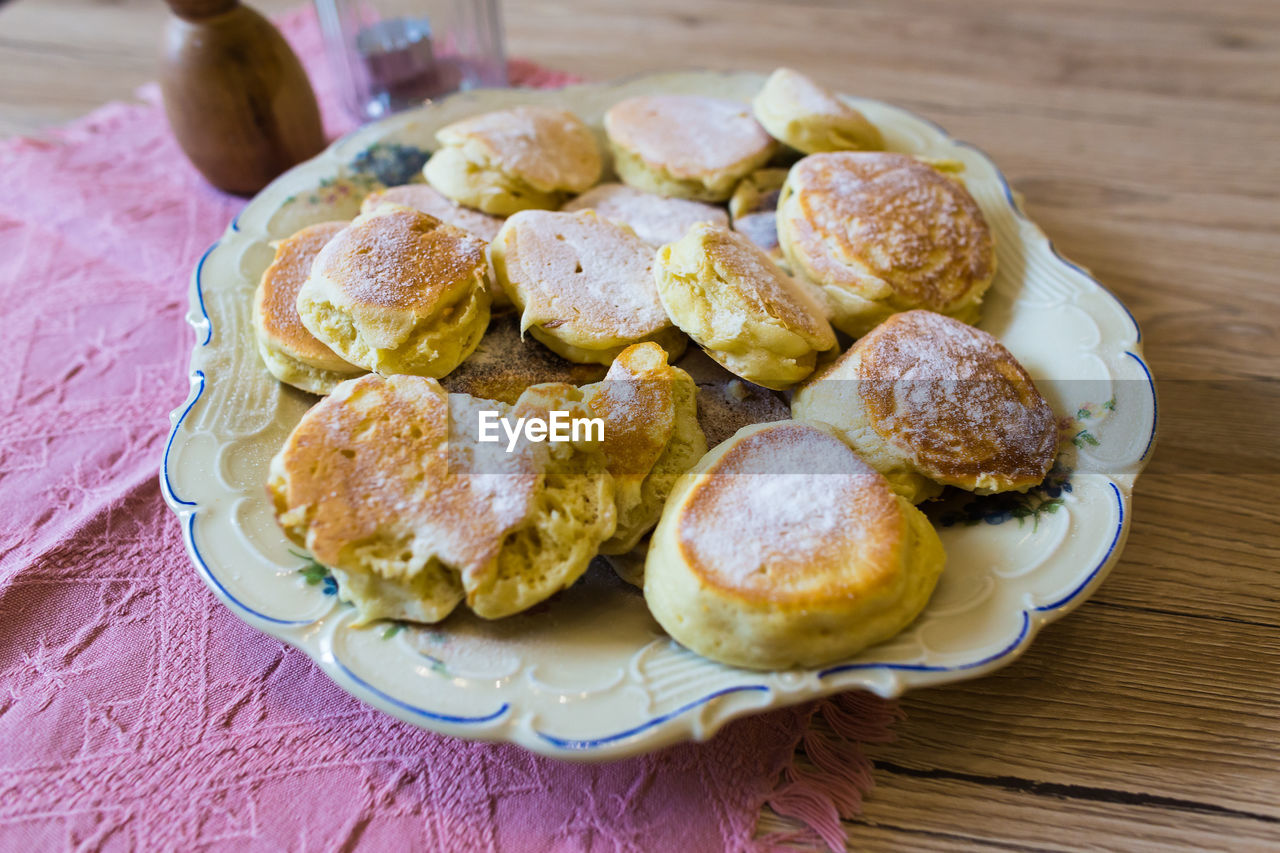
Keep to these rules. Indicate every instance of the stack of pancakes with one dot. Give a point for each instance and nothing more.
(513, 281)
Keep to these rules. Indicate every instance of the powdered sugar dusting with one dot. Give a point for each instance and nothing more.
(431, 201)
(785, 507)
(954, 397)
(549, 148)
(760, 286)
(901, 220)
(400, 258)
(387, 461)
(688, 135)
(581, 271)
(800, 95)
(656, 219)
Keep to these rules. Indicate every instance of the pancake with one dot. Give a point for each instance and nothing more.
(346, 485)
(754, 209)
(655, 219)
(929, 401)
(782, 548)
(723, 291)
(584, 285)
(803, 115)
(573, 514)
(879, 233)
(651, 436)
(431, 201)
(290, 352)
(506, 363)
(523, 158)
(383, 485)
(685, 146)
(398, 291)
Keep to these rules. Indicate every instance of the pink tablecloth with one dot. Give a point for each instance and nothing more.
(138, 712)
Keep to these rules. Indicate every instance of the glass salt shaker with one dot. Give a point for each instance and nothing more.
(392, 54)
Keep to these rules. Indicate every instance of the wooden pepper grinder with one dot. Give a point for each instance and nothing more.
(237, 98)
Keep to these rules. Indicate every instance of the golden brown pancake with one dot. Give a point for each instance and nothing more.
(584, 285)
(686, 146)
(807, 117)
(434, 203)
(385, 485)
(879, 232)
(930, 401)
(291, 353)
(725, 293)
(574, 511)
(349, 485)
(636, 400)
(782, 548)
(398, 291)
(522, 158)
(812, 503)
(651, 436)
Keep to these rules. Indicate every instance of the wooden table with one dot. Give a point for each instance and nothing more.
(1145, 137)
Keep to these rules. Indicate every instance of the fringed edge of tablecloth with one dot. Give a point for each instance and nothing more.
(837, 776)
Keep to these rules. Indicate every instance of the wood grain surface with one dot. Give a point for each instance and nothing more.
(1145, 138)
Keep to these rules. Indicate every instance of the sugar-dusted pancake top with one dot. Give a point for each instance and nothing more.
(955, 398)
(548, 148)
(278, 296)
(655, 219)
(431, 201)
(804, 115)
(637, 402)
(805, 96)
(891, 216)
(760, 288)
(374, 459)
(400, 258)
(585, 271)
(788, 514)
(689, 136)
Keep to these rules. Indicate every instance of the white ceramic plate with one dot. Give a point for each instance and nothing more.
(590, 675)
